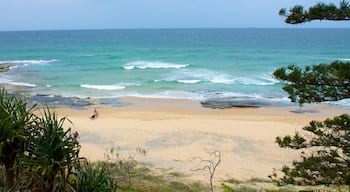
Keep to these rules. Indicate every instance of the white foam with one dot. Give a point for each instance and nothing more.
(28, 62)
(189, 81)
(202, 75)
(343, 102)
(256, 81)
(103, 87)
(13, 67)
(222, 79)
(153, 65)
(129, 67)
(23, 84)
(167, 95)
(24, 63)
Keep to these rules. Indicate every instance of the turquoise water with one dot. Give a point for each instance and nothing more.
(164, 63)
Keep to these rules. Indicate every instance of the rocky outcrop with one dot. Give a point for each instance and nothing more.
(4, 67)
(224, 103)
(54, 101)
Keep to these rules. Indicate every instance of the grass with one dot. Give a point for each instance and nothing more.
(146, 178)
(266, 185)
(259, 180)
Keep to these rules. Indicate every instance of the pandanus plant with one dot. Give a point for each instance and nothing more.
(15, 122)
(93, 178)
(52, 155)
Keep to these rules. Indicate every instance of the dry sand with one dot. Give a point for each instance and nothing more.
(173, 131)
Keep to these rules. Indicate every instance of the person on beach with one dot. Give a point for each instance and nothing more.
(95, 115)
(76, 135)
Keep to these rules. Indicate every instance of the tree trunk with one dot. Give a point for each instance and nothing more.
(211, 183)
(9, 162)
(10, 176)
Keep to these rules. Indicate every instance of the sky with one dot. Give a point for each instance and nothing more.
(124, 14)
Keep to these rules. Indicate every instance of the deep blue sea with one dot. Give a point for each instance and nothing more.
(164, 63)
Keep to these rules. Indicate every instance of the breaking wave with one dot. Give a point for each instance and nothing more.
(23, 63)
(22, 84)
(152, 65)
(195, 81)
(262, 80)
(28, 61)
(103, 87)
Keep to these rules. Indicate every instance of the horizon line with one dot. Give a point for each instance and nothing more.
(168, 28)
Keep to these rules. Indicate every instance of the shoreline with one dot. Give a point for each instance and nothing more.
(60, 101)
(173, 131)
(213, 102)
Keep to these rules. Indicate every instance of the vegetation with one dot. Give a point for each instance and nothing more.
(47, 158)
(92, 178)
(320, 11)
(38, 153)
(15, 122)
(208, 164)
(51, 155)
(123, 168)
(323, 82)
(327, 158)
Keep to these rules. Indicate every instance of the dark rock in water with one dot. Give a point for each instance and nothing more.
(55, 101)
(43, 100)
(305, 111)
(4, 68)
(42, 95)
(59, 101)
(114, 102)
(225, 103)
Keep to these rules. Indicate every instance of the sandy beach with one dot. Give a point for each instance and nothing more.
(173, 131)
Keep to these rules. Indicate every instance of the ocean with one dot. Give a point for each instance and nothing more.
(195, 64)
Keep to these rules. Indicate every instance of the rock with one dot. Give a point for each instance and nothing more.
(53, 101)
(4, 68)
(225, 103)
(42, 95)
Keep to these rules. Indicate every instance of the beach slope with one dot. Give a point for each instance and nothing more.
(173, 131)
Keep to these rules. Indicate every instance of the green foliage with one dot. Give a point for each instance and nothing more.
(226, 188)
(93, 179)
(323, 82)
(327, 160)
(175, 185)
(232, 181)
(176, 174)
(147, 178)
(123, 167)
(15, 119)
(320, 11)
(2, 178)
(52, 154)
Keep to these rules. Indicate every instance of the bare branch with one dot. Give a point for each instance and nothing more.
(210, 164)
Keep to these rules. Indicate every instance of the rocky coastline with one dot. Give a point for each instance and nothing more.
(5, 67)
(58, 101)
